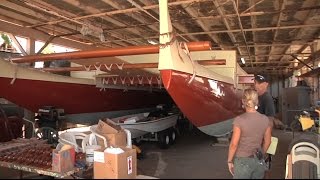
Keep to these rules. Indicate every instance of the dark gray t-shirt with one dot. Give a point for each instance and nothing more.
(253, 126)
(266, 105)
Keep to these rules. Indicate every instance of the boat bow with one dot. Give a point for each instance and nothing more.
(208, 99)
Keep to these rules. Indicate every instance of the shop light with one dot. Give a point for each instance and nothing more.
(242, 60)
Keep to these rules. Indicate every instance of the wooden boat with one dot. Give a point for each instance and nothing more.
(81, 100)
(86, 100)
(209, 98)
(141, 124)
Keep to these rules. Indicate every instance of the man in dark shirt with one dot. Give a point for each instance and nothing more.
(266, 105)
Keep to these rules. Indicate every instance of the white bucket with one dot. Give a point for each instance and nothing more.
(89, 152)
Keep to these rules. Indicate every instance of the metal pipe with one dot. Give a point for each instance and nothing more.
(122, 51)
(126, 66)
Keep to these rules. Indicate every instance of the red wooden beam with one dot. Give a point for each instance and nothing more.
(123, 51)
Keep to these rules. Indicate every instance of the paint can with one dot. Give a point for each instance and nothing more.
(89, 152)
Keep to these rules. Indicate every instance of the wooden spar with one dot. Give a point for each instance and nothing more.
(125, 66)
(123, 51)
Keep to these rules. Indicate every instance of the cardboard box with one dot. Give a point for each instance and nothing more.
(115, 166)
(63, 161)
(115, 135)
(108, 127)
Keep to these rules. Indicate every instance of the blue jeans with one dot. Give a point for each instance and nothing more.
(248, 168)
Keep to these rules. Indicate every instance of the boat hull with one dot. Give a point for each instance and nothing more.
(139, 129)
(209, 104)
(76, 98)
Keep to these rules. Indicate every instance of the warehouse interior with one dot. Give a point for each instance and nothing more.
(78, 67)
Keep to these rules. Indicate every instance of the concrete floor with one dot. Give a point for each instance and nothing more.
(193, 156)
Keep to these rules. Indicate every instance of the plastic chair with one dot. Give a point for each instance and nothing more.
(93, 129)
(305, 151)
(71, 138)
(88, 141)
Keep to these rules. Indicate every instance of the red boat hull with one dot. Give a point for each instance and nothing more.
(76, 98)
(203, 101)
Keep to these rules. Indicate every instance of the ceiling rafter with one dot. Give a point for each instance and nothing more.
(242, 31)
(298, 35)
(137, 17)
(225, 21)
(253, 20)
(193, 13)
(252, 5)
(92, 10)
(48, 8)
(20, 19)
(255, 29)
(282, 6)
(283, 54)
(236, 30)
(154, 8)
(130, 10)
(157, 19)
(39, 34)
(271, 29)
(176, 24)
(25, 21)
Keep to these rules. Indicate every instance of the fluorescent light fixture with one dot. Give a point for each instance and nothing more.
(152, 42)
(39, 64)
(242, 60)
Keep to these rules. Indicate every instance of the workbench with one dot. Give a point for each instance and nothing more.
(20, 144)
(47, 172)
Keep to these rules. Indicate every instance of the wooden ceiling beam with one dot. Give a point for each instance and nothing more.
(255, 29)
(48, 8)
(177, 25)
(284, 54)
(156, 29)
(298, 34)
(155, 6)
(19, 30)
(253, 20)
(136, 16)
(252, 5)
(193, 13)
(273, 62)
(129, 10)
(92, 10)
(283, 3)
(236, 30)
(71, 29)
(225, 21)
(21, 21)
(235, 7)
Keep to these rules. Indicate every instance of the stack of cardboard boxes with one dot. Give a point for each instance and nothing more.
(115, 161)
(63, 159)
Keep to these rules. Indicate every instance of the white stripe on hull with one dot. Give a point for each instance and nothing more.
(218, 129)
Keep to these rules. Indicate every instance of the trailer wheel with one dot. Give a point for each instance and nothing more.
(173, 136)
(137, 141)
(164, 140)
